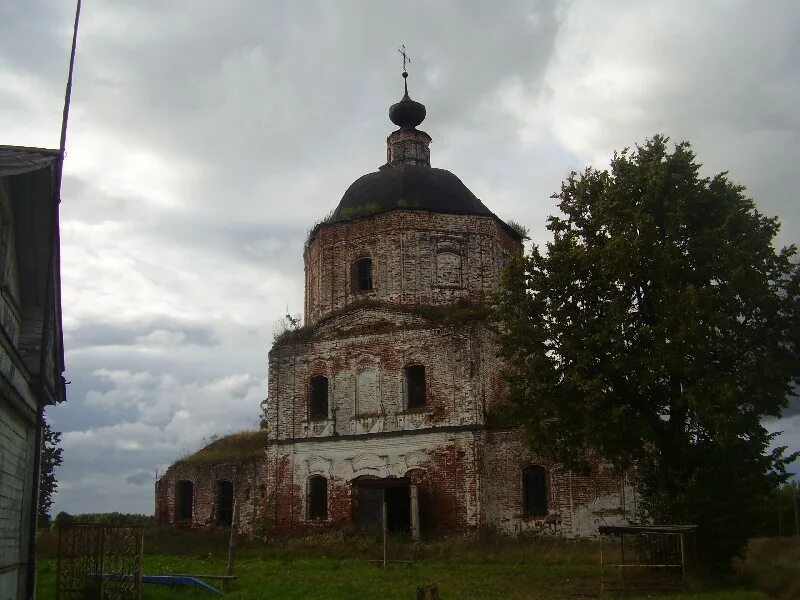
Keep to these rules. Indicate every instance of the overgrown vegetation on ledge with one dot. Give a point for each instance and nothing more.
(462, 311)
(241, 446)
(519, 228)
(328, 218)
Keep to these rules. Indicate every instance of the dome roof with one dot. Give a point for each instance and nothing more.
(411, 187)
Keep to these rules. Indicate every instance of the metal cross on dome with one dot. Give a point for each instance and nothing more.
(402, 50)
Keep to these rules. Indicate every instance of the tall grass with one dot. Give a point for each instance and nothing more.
(556, 568)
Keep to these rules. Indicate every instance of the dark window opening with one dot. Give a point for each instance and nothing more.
(534, 491)
(184, 501)
(362, 274)
(317, 497)
(415, 386)
(225, 503)
(318, 398)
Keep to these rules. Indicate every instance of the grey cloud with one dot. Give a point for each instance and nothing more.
(204, 143)
(126, 333)
(141, 478)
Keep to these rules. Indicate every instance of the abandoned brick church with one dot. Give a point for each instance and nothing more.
(386, 393)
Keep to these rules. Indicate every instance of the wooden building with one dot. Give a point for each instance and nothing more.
(31, 348)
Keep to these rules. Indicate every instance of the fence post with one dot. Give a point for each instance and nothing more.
(139, 556)
(102, 559)
(385, 528)
(58, 565)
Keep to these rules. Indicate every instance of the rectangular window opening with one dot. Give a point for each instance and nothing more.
(224, 503)
(317, 498)
(415, 386)
(318, 398)
(184, 501)
(534, 491)
(362, 276)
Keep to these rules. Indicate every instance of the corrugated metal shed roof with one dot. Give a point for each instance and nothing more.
(16, 160)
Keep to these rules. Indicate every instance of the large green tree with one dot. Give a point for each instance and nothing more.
(658, 330)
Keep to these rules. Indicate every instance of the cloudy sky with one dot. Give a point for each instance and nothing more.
(206, 137)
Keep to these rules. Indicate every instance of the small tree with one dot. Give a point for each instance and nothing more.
(48, 485)
(657, 331)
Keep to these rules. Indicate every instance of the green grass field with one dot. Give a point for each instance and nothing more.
(338, 568)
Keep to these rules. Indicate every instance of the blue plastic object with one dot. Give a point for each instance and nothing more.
(168, 580)
(180, 580)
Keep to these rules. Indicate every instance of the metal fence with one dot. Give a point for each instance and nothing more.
(643, 557)
(102, 562)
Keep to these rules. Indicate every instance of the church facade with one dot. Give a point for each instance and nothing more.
(385, 396)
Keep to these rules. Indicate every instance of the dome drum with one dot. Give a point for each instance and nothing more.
(409, 147)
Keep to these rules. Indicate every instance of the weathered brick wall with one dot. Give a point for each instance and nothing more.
(576, 504)
(366, 381)
(249, 488)
(418, 258)
(467, 476)
(441, 464)
(408, 146)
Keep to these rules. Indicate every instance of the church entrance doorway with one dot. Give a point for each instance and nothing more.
(400, 497)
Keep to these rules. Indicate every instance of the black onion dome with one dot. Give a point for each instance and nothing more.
(412, 187)
(407, 113)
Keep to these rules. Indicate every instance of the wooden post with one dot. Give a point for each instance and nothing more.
(428, 592)
(602, 566)
(385, 529)
(794, 503)
(58, 563)
(139, 564)
(234, 536)
(415, 513)
(101, 571)
(683, 561)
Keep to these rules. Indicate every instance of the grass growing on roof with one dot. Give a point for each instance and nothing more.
(364, 210)
(241, 446)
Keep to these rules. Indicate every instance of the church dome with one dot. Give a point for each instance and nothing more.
(407, 180)
(408, 186)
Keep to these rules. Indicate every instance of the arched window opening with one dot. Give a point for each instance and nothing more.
(318, 398)
(224, 503)
(317, 498)
(415, 386)
(362, 275)
(184, 501)
(534, 491)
